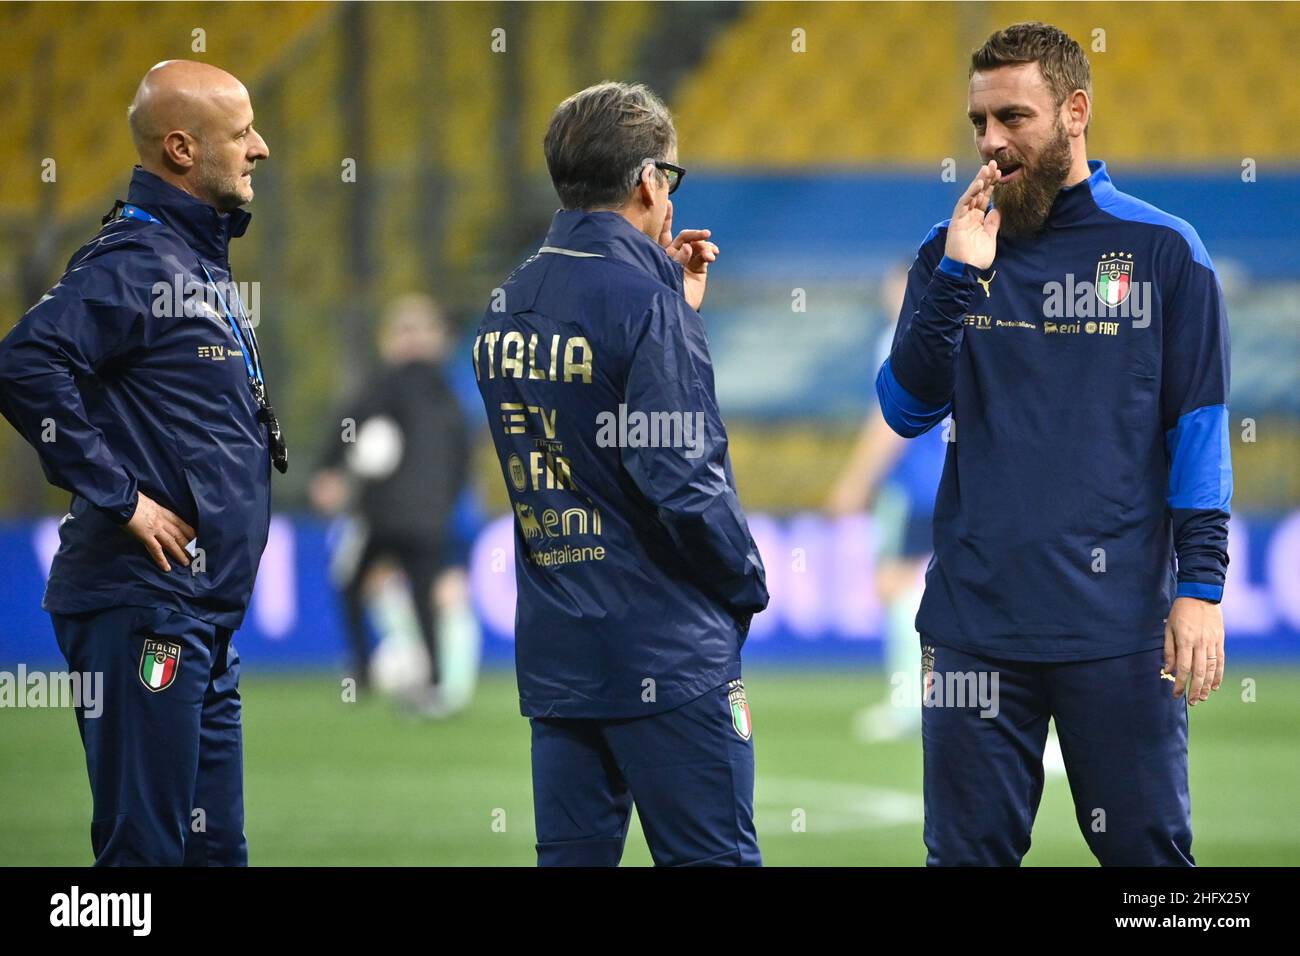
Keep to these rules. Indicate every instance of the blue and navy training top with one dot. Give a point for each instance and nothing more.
(126, 377)
(1088, 478)
(636, 571)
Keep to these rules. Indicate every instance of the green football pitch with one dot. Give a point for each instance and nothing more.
(334, 783)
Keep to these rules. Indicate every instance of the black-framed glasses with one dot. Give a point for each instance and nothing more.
(674, 172)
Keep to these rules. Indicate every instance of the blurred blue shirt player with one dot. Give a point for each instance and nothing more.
(898, 478)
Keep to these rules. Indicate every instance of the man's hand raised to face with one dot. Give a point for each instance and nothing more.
(160, 531)
(694, 251)
(973, 233)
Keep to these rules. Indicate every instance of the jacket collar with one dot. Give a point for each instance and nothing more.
(1081, 200)
(204, 229)
(609, 235)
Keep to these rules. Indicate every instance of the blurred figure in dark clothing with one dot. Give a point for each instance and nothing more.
(402, 462)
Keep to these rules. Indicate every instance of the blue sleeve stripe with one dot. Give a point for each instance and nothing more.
(1131, 209)
(952, 267)
(934, 231)
(1206, 592)
(1200, 460)
(905, 413)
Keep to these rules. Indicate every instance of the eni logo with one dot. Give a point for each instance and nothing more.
(986, 283)
(528, 521)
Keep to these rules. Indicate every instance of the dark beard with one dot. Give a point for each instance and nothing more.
(1025, 205)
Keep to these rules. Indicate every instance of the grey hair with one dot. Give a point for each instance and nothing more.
(599, 140)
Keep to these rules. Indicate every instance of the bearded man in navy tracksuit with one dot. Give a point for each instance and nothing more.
(138, 381)
(1077, 336)
(637, 575)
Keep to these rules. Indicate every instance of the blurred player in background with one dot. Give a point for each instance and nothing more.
(402, 460)
(903, 476)
(138, 381)
(637, 575)
(899, 478)
(1091, 451)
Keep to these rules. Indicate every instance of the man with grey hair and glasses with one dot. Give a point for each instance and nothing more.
(637, 575)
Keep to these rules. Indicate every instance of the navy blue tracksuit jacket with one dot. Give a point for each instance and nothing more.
(120, 391)
(637, 575)
(1089, 481)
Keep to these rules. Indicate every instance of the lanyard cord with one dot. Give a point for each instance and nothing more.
(254, 362)
(252, 358)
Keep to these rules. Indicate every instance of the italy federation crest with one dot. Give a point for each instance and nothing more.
(927, 669)
(1114, 277)
(739, 709)
(159, 664)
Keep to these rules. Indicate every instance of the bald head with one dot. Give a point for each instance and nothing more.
(193, 126)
